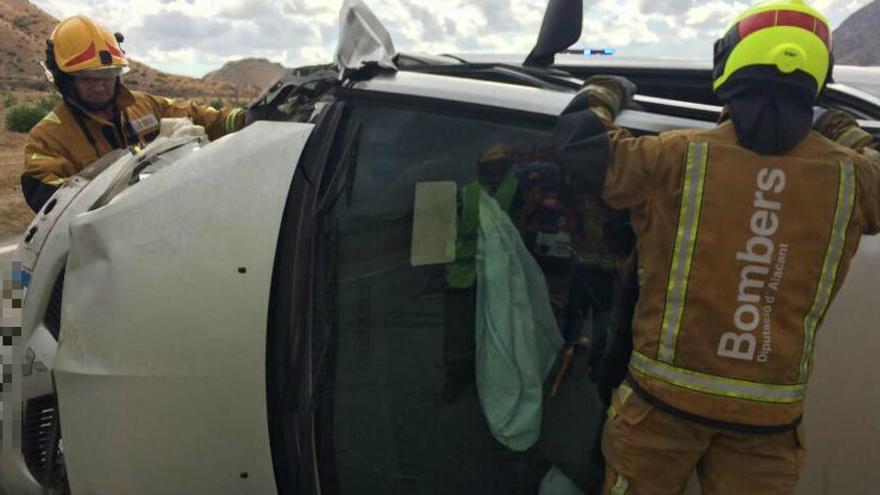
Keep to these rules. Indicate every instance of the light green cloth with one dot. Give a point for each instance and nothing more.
(517, 337)
(555, 482)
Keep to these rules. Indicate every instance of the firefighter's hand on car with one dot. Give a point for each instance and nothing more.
(607, 95)
(582, 131)
(257, 112)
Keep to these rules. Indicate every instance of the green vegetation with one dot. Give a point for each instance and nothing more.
(218, 104)
(22, 23)
(9, 99)
(23, 117)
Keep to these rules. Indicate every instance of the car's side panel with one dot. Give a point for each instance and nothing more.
(161, 366)
(842, 415)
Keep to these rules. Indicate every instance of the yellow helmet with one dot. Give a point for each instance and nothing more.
(495, 153)
(776, 39)
(81, 47)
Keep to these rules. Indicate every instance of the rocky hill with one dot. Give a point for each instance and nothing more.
(24, 29)
(248, 72)
(856, 41)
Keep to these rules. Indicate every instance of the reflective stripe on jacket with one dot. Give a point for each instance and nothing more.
(461, 274)
(861, 141)
(69, 139)
(742, 255)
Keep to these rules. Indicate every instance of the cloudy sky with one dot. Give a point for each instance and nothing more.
(193, 37)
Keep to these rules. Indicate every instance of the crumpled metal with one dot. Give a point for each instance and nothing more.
(363, 40)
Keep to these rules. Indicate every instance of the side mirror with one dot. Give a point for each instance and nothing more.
(435, 220)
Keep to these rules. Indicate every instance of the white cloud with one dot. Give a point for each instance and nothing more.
(716, 11)
(194, 36)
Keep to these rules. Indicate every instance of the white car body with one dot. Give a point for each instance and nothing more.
(194, 362)
(161, 364)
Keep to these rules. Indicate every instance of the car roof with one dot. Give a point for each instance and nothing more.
(843, 74)
(507, 97)
(571, 60)
(854, 89)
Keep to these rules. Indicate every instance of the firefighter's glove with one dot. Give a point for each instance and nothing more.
(606, 95)
(583, 149)
(842, 128)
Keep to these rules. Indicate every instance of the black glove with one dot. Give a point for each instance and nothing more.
(612, 93)
(257, 112)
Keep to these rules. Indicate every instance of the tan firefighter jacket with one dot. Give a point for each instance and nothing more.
(741, 256)
(842, 127)
(68, 139)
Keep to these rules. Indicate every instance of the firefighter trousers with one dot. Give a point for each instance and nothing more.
(651, 452)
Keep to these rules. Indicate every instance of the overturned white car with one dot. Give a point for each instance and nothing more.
(267, 314)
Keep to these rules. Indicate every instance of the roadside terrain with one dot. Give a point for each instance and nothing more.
(14, 212)
(856, 41)
(24, 29)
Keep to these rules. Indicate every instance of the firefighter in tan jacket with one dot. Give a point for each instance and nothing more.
(98, 114)
(744, 234)
(841, 127)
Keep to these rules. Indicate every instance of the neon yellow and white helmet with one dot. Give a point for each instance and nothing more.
(777, 39)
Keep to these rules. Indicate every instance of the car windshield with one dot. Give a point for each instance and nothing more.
(415, 359)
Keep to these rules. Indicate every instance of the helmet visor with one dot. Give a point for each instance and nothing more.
(104, 73)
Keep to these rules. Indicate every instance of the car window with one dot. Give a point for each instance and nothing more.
(417, 396)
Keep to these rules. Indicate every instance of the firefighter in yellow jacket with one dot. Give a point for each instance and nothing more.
(98, 114)
(744, 234)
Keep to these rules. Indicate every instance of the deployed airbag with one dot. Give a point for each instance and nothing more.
(517, 337)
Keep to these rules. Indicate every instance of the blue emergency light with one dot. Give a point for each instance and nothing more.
(589, 52)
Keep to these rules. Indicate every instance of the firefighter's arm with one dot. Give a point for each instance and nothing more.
(868, 177)
(217, 123)
(843, 128)
(622, 169)
(585, 130)
(46, 168)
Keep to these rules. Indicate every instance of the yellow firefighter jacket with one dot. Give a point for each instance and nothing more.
(741, 256)
(70, 138)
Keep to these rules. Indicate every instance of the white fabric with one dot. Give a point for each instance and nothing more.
(180, 127)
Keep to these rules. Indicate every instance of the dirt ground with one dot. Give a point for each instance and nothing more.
(14, 212)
